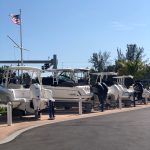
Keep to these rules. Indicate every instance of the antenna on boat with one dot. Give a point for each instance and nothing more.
(17, 45)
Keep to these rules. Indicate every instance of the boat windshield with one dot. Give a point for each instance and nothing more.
(73, 76)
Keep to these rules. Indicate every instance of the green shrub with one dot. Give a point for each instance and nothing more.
(3, 110)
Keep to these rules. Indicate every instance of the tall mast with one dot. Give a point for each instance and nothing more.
(21, 39)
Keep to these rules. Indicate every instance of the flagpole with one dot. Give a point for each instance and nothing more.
(21, 39)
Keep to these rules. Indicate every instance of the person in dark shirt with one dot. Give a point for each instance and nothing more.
(138, 90)
(100, 92)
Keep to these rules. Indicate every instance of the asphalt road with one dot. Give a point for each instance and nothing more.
(121, 131)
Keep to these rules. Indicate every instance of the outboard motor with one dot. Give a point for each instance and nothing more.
(113, 95)
(105, 90)
(35, 91)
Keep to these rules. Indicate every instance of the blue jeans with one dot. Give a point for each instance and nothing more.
(101, 100)
(51, 109)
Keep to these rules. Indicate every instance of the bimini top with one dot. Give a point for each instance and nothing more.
(123, 77)
(67, 69)
(103, 73)
(24, 68)
(81, 69)
(59, 70)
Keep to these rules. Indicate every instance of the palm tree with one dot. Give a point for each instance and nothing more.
(99, 61)
(132, 63)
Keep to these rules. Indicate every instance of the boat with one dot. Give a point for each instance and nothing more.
(15, 88)
(124, 91)
(69, 86)
(127, 91)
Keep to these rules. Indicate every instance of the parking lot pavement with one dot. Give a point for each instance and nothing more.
(24, 123)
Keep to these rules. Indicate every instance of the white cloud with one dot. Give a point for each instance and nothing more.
(126, 26)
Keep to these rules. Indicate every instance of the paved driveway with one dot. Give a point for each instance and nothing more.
(122, 131)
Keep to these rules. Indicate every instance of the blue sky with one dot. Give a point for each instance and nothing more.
(74, 29)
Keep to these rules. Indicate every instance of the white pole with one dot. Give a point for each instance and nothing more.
(80, 106)
(9, 114)
(120, 102)
(146, 100)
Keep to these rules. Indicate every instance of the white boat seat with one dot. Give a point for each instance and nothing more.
(20, 95)
(23, 95)
(19, 100)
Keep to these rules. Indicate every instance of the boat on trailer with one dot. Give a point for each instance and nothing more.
(69, 86)
(15, 88)
(128, 90)
(117, 87)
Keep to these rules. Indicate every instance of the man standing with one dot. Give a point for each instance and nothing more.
(51, 109)
(100, 90)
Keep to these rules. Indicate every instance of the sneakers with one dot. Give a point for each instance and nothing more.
(51, 118)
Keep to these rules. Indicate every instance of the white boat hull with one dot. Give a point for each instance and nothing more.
(70, 93)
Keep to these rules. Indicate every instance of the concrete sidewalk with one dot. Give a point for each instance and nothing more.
(7, 133)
